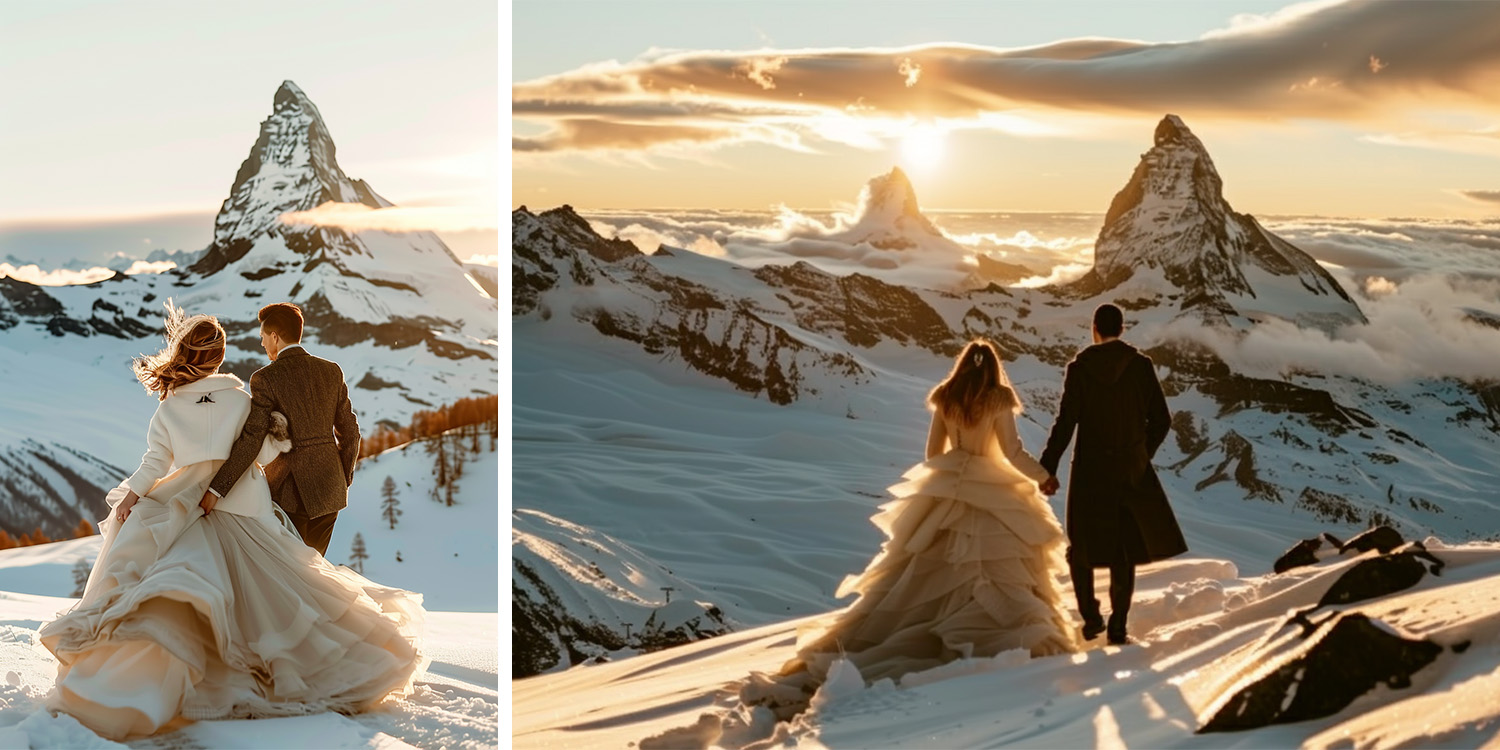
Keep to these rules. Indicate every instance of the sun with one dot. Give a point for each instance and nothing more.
(922, 147)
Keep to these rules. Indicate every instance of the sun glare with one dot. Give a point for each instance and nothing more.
(922, 147)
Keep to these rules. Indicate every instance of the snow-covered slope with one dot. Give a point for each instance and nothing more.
(447, 554)
(455, 705)
(579, 596)
(397, 311)
(1171, 217)
(1407, 667)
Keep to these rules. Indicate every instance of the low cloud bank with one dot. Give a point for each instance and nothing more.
(1421, 327)
(32, 273)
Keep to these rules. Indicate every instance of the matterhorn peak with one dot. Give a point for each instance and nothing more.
(1171, 217)
(1172, 129)
(889, 217)
(292, 167)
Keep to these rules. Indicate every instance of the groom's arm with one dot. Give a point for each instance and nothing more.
(247, 446)
(1063, 426)
(1158, 416)
(346, 431)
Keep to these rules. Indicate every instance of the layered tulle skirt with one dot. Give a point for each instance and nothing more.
(968, 570)
(229, 615)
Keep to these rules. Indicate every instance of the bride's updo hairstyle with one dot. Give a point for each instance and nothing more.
(976, 386)
(194, 350)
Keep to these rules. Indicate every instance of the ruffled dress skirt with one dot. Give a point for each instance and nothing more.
(189, 617)
(968, 570)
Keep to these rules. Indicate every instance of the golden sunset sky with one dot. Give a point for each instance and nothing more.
(1351, 108)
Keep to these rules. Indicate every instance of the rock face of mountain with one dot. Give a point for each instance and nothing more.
(1171, 218)
(561, 266)
(578, 595)
(395, 289)
(51, 487)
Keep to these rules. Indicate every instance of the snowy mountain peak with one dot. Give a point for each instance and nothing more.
(1171, 217)
(889, 217)
(292, 167)
(1172, 129)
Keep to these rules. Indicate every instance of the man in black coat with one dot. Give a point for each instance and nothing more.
(1118, 516)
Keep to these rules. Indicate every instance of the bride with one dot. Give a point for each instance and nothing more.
(220, 612)
(967, 570)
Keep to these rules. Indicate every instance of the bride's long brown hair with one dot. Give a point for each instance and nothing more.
(976, 386)
(194, 350)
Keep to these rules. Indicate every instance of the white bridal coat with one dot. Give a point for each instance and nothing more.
(198, 423)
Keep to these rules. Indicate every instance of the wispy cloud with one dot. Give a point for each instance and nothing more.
(1482, 196)
(1332, 60)
(356, 217)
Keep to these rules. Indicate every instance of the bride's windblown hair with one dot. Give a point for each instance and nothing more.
(976, 386)
(194, 350)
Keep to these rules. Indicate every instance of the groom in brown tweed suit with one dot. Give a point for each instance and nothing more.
(311, 481)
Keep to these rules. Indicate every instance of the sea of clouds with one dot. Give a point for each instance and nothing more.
(1430, 288)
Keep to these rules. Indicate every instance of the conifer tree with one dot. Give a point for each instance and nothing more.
(388, 505)
(81, 570)
(441, 470)
(357, 554)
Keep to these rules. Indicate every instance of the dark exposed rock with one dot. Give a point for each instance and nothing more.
(544, 635)
(62, 325)
(371, 383)
(1383, 538)
(1301, 554)
(1328, 506)
(1347, 656)
(27, 300)
(1239, 452)
(861, 309)
(999, 271)
(1196, 366)
(1382, 575)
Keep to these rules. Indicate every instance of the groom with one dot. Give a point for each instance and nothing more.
(311, 481)
(1117, 515)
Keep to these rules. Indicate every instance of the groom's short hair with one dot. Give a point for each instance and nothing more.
(1109, 321)
(283, 319)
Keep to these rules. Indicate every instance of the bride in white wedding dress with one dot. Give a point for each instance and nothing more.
(222, 612)
(968, 569)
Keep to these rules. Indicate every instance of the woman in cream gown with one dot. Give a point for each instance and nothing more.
(222, 612)
(968, 568)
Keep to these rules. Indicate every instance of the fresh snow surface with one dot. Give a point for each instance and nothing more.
(1200, 628)
(456, 704)
(448, 555)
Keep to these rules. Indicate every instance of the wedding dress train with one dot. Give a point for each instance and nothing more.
(968, 570)
(227, 615)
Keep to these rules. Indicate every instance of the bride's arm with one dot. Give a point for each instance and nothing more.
(1010, 442)
(937, 436)
(158, 458)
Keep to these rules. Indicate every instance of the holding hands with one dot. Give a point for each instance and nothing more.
(1049, 486)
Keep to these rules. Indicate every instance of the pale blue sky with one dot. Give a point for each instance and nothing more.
(130, 109)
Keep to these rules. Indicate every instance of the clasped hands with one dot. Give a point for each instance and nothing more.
(1049, 485)
(122, 511)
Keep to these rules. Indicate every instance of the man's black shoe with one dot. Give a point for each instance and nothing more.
(1092, 627)
(1117, 636)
